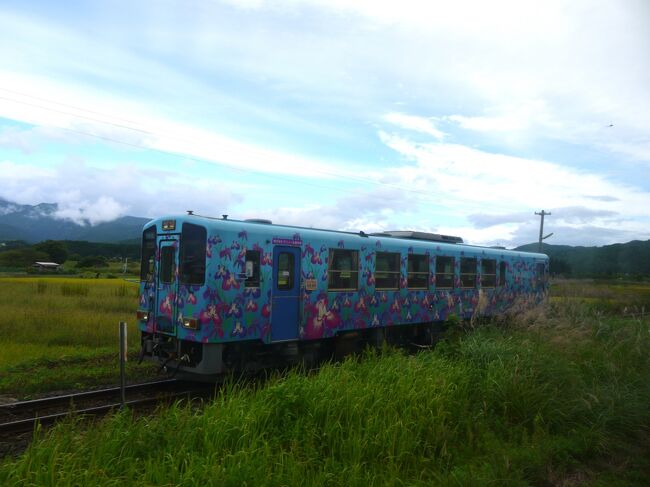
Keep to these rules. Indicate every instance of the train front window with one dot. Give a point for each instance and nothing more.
(167, 257)
(148, 254)
(193, 243)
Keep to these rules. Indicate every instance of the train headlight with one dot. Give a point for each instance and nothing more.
(143, 315)
(191, 323)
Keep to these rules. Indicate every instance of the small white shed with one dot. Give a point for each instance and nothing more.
(46, 266)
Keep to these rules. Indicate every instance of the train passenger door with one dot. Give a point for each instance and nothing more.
(286, 293)
(167, 287)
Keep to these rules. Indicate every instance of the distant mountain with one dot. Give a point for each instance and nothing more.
(632, 259)
(37, 223)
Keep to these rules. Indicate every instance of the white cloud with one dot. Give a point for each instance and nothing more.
(24, 183)
(104, 209)
(471, 176)
(12, 172)
(600, 197)
(143, 129)
(508, 190)
(486, 220)
(488, 124)
(369, 211)
(561, 71)
(94, 195)
(203, 82)
(412, 122)
(568, 215)
(524, 116)
(639, 150)
(13, 138)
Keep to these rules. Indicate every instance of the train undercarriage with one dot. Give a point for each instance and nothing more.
(208, 361)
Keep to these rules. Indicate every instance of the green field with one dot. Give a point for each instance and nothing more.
(62, 333)
(556, 396)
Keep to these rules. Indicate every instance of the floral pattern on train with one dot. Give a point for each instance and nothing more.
(226, 309)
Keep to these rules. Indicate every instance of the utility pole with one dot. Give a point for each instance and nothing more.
(541, 230)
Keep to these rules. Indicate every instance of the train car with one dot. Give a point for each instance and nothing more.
(218, 294)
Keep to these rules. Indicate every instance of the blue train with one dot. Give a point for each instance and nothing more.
(219, 294)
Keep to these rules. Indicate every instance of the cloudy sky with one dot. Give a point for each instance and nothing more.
(461, 117)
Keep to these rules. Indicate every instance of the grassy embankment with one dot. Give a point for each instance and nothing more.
(62, 333)
(558, 397)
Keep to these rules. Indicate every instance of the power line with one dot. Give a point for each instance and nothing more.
(139, 146)
(188, 157)
(77, 115)
(425, 194)
(27, 95)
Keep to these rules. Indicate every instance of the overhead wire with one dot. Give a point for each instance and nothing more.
(168, 152)
(81, 109)
(426, 195)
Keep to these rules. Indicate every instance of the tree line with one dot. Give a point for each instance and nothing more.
(631, 259)
(86, 254)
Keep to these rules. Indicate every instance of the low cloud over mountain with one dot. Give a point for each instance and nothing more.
(34, 223)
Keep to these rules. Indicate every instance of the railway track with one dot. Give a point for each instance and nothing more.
(21, 417)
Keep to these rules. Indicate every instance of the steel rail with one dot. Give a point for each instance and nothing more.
(28, 424)
(45, 402)
(23, 416)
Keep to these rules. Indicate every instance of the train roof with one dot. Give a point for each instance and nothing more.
(415, 238)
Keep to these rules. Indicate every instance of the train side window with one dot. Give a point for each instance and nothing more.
(148, 254)
(502, 273)
(387, 270)
(488, 273)
(252, 268)
(418, 271)
(444, 272)
(343, 270)
(193, 243)
(167, 264)
(468, 272)
(284, 274)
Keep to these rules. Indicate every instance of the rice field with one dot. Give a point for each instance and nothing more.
(605, 296)
(58, 333)
(557, 396)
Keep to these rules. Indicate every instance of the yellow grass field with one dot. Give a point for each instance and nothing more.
(57, 333)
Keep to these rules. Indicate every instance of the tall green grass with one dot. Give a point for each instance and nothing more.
(544, 399)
